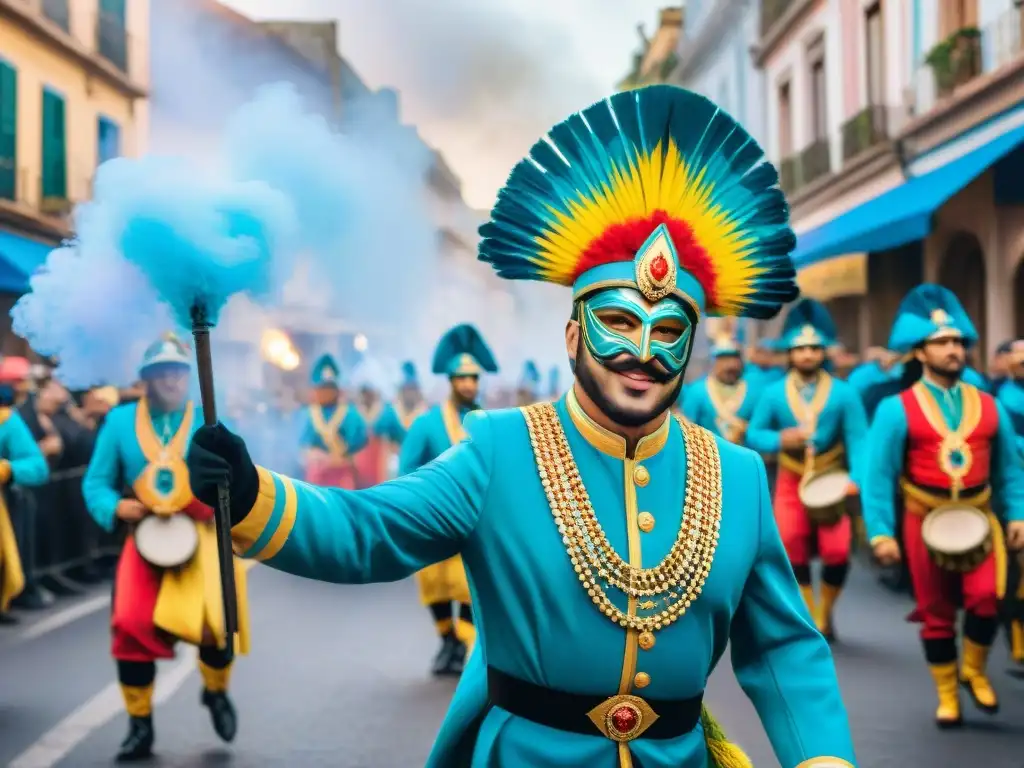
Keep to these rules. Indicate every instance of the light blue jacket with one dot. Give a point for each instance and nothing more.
(1011, 397)
(483, 498)
(352, 429)
(19, 448)
(699, 407)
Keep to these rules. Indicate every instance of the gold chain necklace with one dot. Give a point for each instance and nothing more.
(678, 580)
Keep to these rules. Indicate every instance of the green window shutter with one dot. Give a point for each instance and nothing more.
(113, 9)
(8, 131)
(55, 162)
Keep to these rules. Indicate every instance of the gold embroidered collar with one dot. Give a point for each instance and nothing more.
(610, 443)
(807, 412)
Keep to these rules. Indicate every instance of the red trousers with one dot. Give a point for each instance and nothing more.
(321, 473)
(935, 589)
(800, 536)
(370, 464)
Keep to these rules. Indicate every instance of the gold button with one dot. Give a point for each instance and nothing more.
(641, 476)
(646, 522)
(642, 680)
(646, 640)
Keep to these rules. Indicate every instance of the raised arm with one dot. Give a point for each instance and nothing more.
(781, 660)
(26, 463)
(100, 484)
(1008, 469)
(883, 462)
(384, 533)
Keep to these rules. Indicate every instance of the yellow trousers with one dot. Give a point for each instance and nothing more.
(444, 582)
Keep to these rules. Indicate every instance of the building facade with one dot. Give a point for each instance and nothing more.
(897, 127)
(74, 80)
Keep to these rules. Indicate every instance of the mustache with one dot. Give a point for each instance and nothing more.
(631, 364)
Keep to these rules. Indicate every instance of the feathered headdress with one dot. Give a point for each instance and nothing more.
(808, 324)
(656, 189)
(930, 312)
(463, 352)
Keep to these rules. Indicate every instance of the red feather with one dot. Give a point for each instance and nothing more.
(622, 241)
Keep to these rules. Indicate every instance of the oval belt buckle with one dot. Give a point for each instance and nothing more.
(622, 718)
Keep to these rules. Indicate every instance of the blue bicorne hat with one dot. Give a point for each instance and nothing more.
(409, 377)
(462, 351)
(170, 350)
(724, 346)
(930, 312)
(808, 324)
(530, 377)
(326, 372)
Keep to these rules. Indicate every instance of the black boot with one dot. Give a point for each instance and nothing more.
(138, 744)
(458, 659)
(8, 619)
(222, 714)
(443, 660)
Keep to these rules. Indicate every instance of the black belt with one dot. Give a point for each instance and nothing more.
(569, 711)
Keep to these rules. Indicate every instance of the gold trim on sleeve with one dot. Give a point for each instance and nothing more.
(248, 532)
(284, 527)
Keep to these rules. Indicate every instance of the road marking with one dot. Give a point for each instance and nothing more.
(64, 617)
(58, 742)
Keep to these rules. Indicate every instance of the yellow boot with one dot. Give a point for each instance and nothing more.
(807, 591)
(948, 713)
(974, 679)
(823, 618)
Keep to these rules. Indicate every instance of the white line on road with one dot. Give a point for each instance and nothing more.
(58, 742)
(65, 617)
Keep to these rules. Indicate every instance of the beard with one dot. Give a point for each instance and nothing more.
(584, 369)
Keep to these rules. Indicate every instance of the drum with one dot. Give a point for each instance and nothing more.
(958, 537)
(167, 541)
(823, 495)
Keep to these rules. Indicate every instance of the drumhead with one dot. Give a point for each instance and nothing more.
(955, 530)
(825, 489)
(166, 541)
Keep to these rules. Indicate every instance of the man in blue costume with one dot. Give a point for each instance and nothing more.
(528, 388)
(1011, 396)
(874, 377)
(722, 401)
(333, 431)
(947, 447)
(613, 551)
(814, 423)
(399, 415)
(156, 602)
(21, 463)
(462, 356)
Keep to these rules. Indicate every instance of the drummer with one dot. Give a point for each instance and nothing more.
(143, 444)
(723, 400)
(943, 440)
(333, 432)
(814, 423)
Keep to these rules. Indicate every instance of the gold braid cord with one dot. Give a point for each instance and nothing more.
(665, 591)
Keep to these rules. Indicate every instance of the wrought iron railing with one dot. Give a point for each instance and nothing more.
(815, 161)
(864, 130)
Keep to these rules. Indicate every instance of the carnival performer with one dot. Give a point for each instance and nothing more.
(371, 461)
(528, 388)
(722, 401)
(949, 447)
(462, 355)
(162, 593)
(876, 377)
(21, 463)
(399, 415)
(333, 432)
(814, 423)
(588, 545)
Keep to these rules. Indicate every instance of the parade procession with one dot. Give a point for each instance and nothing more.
(619, 422)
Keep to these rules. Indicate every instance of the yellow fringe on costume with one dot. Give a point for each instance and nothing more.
(189, 605)
(722, 753)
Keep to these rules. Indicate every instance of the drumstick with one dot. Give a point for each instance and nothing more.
(222, 514)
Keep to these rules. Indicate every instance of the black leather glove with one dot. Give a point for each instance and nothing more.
(217, 455)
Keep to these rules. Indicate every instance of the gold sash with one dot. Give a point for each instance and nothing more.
(328, 430)
(407, 417)
(452, 423)
(726, 405)
(806, 412)
(12, 577)
(189, 605)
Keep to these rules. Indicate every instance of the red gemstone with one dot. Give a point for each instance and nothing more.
(659, 268)
(624, 719)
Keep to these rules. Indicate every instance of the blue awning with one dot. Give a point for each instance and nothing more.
(20, 257)
(903, 214)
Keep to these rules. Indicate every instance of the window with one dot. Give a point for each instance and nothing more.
(785, 121)
(111, 36)
(819, 91)
(55, 161)
(874, 55)
(108, 140)
(8, 131)
(57, 12)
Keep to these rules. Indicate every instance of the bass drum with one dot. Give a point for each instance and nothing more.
(958, 537)
(823, 495)
(167, 541)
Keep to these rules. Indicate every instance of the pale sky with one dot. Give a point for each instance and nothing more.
(482, 80)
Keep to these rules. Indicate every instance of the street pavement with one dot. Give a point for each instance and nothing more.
(337, 677)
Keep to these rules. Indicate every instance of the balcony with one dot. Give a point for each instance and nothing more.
(815, 161)
(46, 211)
(866, 129)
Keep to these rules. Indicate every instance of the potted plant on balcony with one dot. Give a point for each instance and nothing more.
(955, 60)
